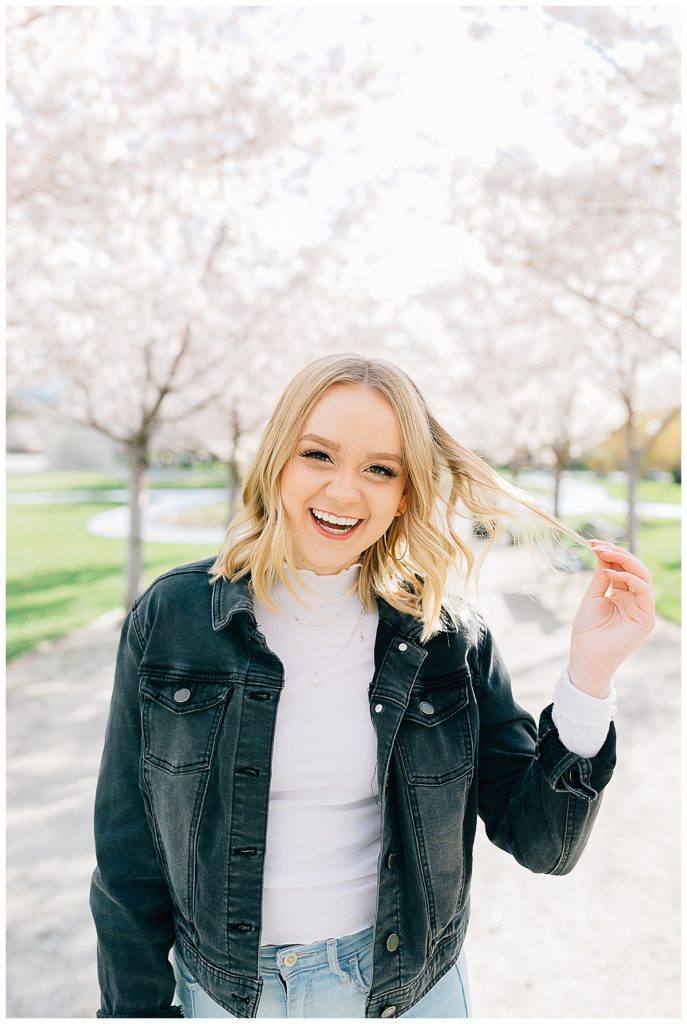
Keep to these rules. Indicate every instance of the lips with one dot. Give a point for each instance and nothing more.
(332, 536)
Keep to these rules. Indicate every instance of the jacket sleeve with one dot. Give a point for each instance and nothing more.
(537, 799)
(129, 897)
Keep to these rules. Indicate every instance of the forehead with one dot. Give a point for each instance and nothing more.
(354, 410)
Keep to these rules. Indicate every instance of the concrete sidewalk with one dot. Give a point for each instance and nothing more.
(600, 942)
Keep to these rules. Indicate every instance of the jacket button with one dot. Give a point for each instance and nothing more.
(426, 708)
(391, 861)
(181, 695)
(392, 942)
(379, 707)
(388, 1011)
(403, 647)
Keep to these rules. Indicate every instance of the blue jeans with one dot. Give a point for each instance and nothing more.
(328, 978)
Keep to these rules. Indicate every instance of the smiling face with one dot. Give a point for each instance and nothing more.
(358, 480)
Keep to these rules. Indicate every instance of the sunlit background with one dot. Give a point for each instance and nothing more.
(200, 200)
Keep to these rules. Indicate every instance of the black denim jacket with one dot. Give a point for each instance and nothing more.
(182, 795)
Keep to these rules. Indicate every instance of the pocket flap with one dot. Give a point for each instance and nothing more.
(184, 694)
(434, 700)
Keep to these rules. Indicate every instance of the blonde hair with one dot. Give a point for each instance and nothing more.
(441, 474)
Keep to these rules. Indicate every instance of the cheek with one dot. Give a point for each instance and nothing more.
(294, 486)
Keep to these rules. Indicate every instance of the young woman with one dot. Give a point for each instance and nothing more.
(304, 730)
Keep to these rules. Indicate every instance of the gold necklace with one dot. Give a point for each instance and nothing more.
(316, 677)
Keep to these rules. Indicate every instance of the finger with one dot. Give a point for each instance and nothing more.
(612, 553)
(598, 584)
(637, 587)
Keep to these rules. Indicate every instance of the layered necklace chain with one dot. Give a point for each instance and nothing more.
(357, 625)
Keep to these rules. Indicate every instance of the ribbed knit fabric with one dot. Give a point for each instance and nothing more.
(323, 830)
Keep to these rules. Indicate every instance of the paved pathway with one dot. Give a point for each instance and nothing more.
(600, 942)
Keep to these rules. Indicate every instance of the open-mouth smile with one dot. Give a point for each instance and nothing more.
(333, 530)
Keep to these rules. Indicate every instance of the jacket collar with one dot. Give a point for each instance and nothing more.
(229, 598)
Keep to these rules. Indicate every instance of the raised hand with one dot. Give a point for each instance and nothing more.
(610, 625)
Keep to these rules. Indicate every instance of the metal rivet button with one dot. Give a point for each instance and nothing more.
(403, 647)
(391, 860)
(290, 959)
(388, 1011)
(379, 707)
(426, 708)
(181, 695)
(392, 942)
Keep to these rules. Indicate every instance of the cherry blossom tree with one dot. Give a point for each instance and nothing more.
(590, 250)
(145, 146)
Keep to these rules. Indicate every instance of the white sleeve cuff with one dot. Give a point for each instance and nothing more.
(582, 721)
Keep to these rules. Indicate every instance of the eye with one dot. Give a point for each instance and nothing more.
(385, 470)
(308, 455)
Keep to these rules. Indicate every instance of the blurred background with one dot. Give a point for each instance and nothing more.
(202, 200)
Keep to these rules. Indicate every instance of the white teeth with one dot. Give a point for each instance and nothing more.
(334, 519)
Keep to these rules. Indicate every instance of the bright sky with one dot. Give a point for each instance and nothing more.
(464, 93)
(471, 97)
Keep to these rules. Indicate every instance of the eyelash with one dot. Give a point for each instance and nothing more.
(387, 471)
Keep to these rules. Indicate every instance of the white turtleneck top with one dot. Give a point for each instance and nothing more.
(323, 825)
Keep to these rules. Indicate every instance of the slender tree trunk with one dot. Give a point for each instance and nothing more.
(562, 454)
(633, 460)
(138, 462)
(232, 465)
(557, 474)
(232, 487)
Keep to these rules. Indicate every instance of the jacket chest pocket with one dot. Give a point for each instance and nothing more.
(180, 719)
(435, 735)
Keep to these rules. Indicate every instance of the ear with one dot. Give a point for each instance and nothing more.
(403, 504)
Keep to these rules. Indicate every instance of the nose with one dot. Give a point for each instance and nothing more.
(343, 490)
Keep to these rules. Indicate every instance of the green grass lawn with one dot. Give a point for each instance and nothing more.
(60, 576)
(647, 490)
(86, 480)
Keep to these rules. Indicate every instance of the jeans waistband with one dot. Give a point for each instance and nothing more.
(315, 954)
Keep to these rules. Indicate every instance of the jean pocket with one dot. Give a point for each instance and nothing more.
(359, 966)
(181, 717)
(434, 740)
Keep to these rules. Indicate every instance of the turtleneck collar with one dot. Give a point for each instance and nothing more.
(330, 591)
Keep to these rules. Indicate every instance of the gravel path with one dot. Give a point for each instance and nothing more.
(600, 942)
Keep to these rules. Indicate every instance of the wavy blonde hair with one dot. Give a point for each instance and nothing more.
(442, 475)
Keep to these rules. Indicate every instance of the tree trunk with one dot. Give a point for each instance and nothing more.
(138, 461)
(232, 487)
(633, 460)
(557, 474)
(232, 464)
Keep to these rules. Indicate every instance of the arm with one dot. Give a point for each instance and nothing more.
(130, 901)
(537, 799)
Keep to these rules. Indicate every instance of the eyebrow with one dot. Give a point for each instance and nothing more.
(335, 447)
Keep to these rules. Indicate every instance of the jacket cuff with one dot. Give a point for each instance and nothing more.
(566, 771)
(168, 1011)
